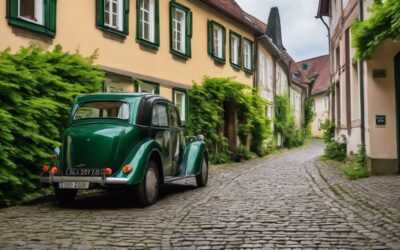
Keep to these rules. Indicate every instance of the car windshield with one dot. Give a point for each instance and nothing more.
(103, 109)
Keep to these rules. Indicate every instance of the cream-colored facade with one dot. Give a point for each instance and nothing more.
(321, 102)
(373, 80)
(126, 59)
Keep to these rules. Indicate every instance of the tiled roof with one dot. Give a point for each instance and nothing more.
(318, 67)
(233, 10)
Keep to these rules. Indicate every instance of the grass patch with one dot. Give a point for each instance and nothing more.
(353, 171)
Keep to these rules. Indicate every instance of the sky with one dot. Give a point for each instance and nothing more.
(303, 36)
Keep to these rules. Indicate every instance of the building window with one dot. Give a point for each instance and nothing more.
(181, 102)
(35, 15)
(147, 30)
(112, 16)
(269, 74)
(235, 44)
(326, 103)
(180, 30)
(216, 41)
(248, 55)
(147, 87)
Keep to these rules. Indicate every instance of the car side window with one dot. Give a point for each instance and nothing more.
(160, 116)
(173, 117)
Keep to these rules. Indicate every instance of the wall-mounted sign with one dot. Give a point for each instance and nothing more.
(379, 73)
(380, 120)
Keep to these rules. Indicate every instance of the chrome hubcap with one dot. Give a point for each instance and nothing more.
(151, 184)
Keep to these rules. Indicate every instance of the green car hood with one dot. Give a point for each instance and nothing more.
(99, 145)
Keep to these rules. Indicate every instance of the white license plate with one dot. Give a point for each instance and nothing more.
(73, 185)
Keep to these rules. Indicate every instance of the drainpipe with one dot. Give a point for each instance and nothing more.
(361, 67)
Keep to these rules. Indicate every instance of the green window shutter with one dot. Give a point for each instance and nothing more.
(100, 13)
(157, 23)
(156, 89)
(210, 37)
(187, 53)
(139, 39)
(189, 27)
(13, 8)
(126, 17)
(223, 43)
(51, 16)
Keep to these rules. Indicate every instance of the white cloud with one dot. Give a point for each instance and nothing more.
(303, 36)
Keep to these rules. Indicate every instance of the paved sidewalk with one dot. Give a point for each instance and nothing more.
(288, 201)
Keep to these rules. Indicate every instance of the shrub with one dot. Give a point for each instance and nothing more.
(36, 92)
(353, 171)
(242, 153)
(337, 149)
(309, 115)
(329, 130)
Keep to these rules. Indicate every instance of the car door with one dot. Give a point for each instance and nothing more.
(176, 140)
(160, 130)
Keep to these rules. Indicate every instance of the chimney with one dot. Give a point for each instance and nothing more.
(274, 28)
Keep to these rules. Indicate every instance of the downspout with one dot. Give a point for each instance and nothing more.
(362, 97)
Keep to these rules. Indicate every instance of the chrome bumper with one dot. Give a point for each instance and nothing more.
(97, 180)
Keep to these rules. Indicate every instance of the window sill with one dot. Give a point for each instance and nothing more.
(18, 22)
(116, 32)
(180, 54)
(236, 66)
(248, 71)
(218, 60)
(148, 44)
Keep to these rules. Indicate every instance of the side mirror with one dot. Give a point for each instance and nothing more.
(57, 152)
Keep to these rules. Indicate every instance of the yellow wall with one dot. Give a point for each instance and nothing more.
(76, 30)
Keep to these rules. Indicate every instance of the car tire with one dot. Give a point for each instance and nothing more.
(147, 190)
(65, 196)
(202, 177)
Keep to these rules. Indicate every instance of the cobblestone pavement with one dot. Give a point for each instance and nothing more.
(288, 201)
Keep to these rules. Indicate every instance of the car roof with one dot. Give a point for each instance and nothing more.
(117, 97)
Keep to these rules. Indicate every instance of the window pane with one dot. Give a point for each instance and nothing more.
(161, 117)
(179, 30)
(113, 14)
(31, 10)
(147, 88)
(180, 104)
(119, 110)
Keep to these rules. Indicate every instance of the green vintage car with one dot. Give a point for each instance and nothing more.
(124, 140)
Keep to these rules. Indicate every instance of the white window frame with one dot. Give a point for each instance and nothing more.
(247, 55)
(118, 12)
(235, 48)
(151, 22)
(218, 41)
(39, 12)
(183, 108)
(262, 70)
(179, 36)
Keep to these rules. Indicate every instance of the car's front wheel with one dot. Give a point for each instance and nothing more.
(202, 177)
(65, 196)
(147, 191)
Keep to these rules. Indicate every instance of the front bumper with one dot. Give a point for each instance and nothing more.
(102, 180)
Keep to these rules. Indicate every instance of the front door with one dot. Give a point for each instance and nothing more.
(397, 84)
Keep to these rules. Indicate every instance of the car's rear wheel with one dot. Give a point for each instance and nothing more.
(147, 191)
(65, 196)
(202, 177)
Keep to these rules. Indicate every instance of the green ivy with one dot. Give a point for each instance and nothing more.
(285, 123)
(36, 92)
(328, 128)
(384, 23)
(207, 112)
(309, 115)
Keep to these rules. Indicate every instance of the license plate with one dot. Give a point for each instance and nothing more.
(84, 172)
(73, 185)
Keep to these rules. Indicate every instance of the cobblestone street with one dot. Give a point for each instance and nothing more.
(289, 201)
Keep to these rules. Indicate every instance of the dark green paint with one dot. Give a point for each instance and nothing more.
(239, 64)
(397, 96)
(113, 143)
(251, 69)
(100, 19)
(50, 16)
(211, 49)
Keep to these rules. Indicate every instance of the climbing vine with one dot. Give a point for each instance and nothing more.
(207, 102)
(384, 23)
(309, 115)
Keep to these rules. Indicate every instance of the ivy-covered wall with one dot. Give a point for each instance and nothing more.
(36, 92)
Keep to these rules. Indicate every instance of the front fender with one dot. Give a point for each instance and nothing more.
(138, 161)
(193, 157)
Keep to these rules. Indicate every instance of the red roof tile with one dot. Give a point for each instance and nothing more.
(316, 67)
(233, 10)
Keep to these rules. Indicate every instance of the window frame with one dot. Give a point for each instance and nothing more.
(239, 62)
(47, 27)
(165, 105)
(211, 48)
(186, 106)
(155, 44)
(187, 35)
(251, 43)
(100, 19)
(155, 85)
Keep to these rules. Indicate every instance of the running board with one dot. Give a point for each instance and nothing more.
(176, 178)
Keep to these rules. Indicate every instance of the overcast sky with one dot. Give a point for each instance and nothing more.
(303, 36)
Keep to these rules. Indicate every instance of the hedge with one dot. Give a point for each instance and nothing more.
(36, 91)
